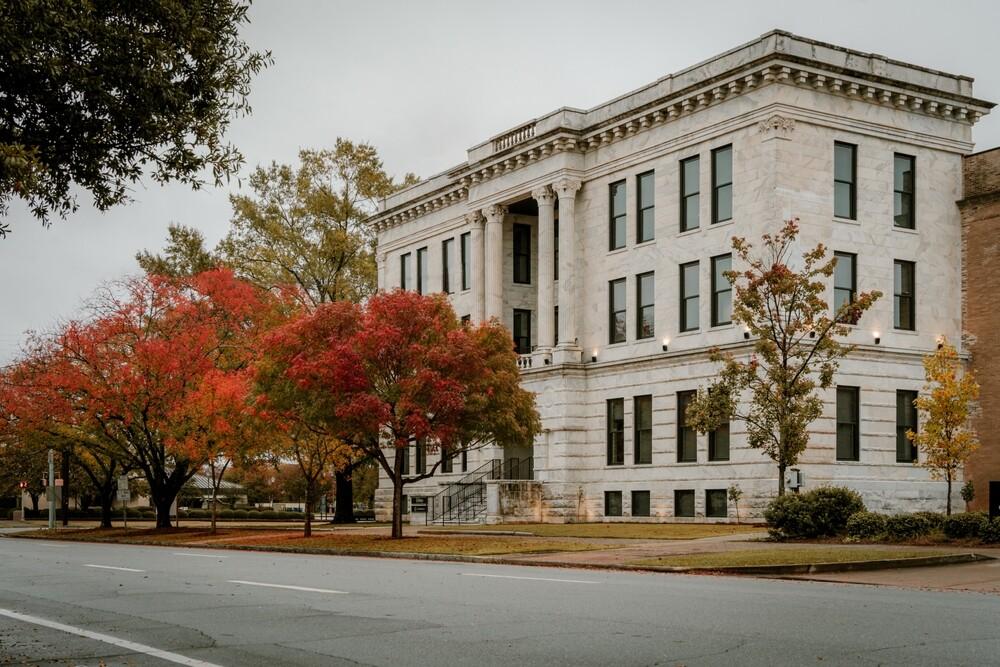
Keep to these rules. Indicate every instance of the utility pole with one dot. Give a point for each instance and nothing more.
(52, 490)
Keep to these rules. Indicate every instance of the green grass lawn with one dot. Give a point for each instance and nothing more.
(792, 556)
(635, 531)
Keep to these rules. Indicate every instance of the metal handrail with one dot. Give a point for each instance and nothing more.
(464, 501)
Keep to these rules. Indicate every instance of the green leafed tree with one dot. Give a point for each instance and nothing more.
(796, 348)
(95, 94)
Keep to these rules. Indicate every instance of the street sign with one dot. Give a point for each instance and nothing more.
(59, 481)
(123, 494)
(122, 483)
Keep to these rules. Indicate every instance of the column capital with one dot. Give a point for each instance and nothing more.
(544, 195)
(474, 218)
(495, 213)
(566, 187)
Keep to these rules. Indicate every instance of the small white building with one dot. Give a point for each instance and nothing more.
(598, 237)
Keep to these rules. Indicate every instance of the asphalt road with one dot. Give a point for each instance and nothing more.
(65, 603)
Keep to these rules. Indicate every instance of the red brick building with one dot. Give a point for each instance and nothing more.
(980, 209)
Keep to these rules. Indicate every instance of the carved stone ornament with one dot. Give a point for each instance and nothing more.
(776, 125)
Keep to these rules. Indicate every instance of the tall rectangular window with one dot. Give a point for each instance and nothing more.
(616, 229)
(616, 431)
(466, 241)
(405, 468)
(645, 305)
(405, 282)
(904, 190)
(522, 254)
(687, 437)
(447, 462)
(642, 413)
(689, 296)
(555, 250)
(421, 457)
(422, 280)
(718, 443)
(845, 165)
(447, 249)
(722, 184)
(616, 311)
(640, 503)
(848, 426)
(845, 281)
(690, 193)
(465, 460)
(522, 331)
(715, 503)
(645, 223)
(906, 420)
(555, 327)
(684, 502)
(612, 503)
(904, 295)
(722, 290)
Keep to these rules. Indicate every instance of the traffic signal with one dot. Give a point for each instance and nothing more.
(22, 485)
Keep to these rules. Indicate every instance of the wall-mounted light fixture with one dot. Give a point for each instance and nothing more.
(746, 334)
(878, 338)
(666, 344)
(940, 342)
(593, 357)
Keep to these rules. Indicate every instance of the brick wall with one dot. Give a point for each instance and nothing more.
(980, 209)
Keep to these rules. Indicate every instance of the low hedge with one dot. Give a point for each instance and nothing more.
(991, 532)
(821, 512)
(900, 527)
(966, 525)
(866, 525)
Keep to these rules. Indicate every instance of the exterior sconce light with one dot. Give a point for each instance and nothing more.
(593, 357)
(878, 338)
(940, 342)
(666, 344)
(812, 333)
(746, 334)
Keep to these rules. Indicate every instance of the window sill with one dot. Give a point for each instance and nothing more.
(687, 463)
(643, 244)
(847, 221)
(612, 346)
(905, 332)
(905, 230)
(719, 461)
(690, 332)
(616, 251)
(689, 232)
(722, 223)
(722, 327)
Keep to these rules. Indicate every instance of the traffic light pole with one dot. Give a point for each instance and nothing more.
(52, 490)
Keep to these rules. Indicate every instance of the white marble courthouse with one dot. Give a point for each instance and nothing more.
(598, 237)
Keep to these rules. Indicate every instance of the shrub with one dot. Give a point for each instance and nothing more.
(290, 516)
(968, 524)
(269, 514)
(224, 514)
(866, 525)
(240, 514)
(906, 526)
(821, 512)
(991, 531)
(935, 519)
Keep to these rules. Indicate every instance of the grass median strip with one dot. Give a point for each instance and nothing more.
(791, 556)
(633, 531)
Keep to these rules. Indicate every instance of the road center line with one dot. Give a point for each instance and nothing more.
(291, 588)
(134, 647)
(198, 555)
(510, 576)
(112, 567)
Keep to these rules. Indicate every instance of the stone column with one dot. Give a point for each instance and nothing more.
(546, 274)
(493, 262)
(568, 349)
(383, 278)
(477, 271)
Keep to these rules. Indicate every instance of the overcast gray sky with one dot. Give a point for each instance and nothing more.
(423, 81)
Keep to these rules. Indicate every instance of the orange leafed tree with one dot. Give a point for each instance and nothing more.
(945, 439)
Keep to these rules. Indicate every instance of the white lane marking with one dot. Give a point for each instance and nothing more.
(133, 647)
(291, 588)
(112, 567)
(510, 576)
(49, 544)
(199, 555)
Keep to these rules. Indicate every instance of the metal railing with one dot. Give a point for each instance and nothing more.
(464, 501)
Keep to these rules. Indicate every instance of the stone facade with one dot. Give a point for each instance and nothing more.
(980, 208)
(780, 102)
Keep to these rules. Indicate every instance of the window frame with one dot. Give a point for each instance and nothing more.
(642, 308)
(685, 326)
(521, 253)
(615, 219)
(648, 498)
(640, 210)
(521, 314)
(613, 313)
(909, 396)
(615, 454)
(405, 468)
(447, 246)
(421, 457)
(465, 247)
(684, 399)
(912, 193)
(422, 269)
(686, 225)
(404, 270)
(608, 495)
(709, 514)
(837, 255)
(855, 392)
(718, 187)
(447, 461)
(852, 184)
(898, 295)
(642, 455)
(716, 292)
(684, 493)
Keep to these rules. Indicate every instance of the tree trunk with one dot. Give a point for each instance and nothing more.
(307, 531)
(344, 510)
(34, 501)
(163, 510)
(107, 502)
(397, 508)
(781, 479)
(65, 489)
(948, 502)
(214, 505)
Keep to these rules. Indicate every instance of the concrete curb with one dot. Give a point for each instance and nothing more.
(751, 570)
(488, 533)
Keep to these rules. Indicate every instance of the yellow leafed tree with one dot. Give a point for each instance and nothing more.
(945, 439)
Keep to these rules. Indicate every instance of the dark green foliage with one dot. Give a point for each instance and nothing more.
(240, 514)
(821, 512)
(866, 525)
(934, 518)
(963, 526)
(990, 532)
(901, 527)
(95, 94)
